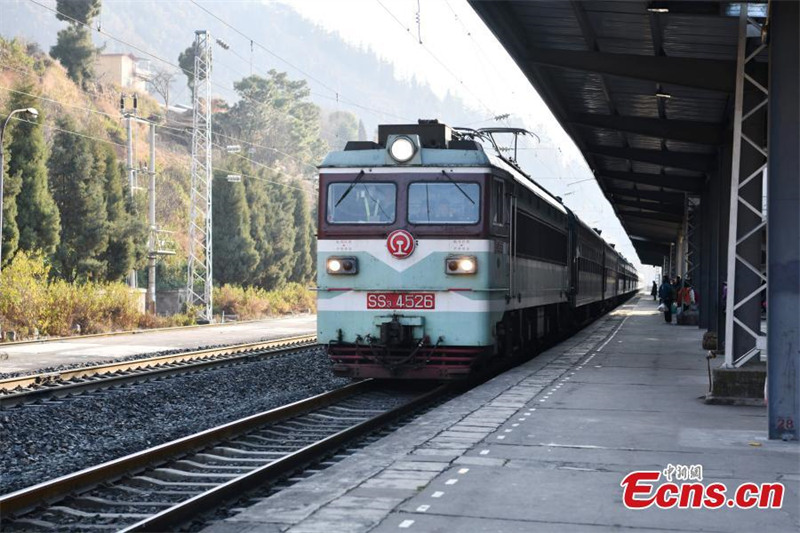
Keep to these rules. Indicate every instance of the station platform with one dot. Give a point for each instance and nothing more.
(36, 355)
(545, 446)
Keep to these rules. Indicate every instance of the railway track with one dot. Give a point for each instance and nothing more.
(26, 389)
(169, 485)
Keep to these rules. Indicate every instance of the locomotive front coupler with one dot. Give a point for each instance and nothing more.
(396, 331)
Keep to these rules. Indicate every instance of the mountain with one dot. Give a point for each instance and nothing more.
(334, 69)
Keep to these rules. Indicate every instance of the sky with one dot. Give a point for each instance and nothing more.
(452, 50)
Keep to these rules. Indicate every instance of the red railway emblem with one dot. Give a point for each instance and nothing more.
(400, 243)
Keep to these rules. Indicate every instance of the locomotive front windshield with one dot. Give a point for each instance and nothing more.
(444, 203)
(361, 203)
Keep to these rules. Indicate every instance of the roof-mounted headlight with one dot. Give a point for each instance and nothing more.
(402, 149)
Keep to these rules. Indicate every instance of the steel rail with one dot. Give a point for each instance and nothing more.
(27, 499)
(151, 366)
(181, 513)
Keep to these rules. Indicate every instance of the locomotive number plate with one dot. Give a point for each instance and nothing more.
(401, 300)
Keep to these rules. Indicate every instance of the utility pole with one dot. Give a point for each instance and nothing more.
(130, 116)
(151, 242)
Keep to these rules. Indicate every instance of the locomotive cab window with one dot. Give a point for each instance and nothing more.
(361, 203)
(498, 202)
(444, 203)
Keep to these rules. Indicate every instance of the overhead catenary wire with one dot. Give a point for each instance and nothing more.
(184, 131)
(435, 57)
(252, 161)
(479, 49)
(336, 96)
(141, 50)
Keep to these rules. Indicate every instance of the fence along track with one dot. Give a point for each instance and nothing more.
(157, 489)
(14, 391)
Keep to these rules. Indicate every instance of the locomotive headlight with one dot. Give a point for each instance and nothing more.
(467, 265)
(461, 264)
(402, 149)
(342, 265)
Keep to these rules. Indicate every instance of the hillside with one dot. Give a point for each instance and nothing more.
(167, 28)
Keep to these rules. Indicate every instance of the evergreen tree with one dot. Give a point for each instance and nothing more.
(11, 188)
(272, 229)
(77, 10)
(235, 254)
(304, 237)
(186, 63)
(74, 47)
(127, 234)
(77, 181)
(37, 215)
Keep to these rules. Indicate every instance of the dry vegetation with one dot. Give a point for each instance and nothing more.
(32, 304)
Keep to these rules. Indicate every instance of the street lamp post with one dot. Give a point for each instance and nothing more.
(33, 113)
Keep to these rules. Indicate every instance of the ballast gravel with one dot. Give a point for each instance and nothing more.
(58, 437)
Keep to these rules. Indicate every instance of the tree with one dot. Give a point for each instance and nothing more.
(75, 50)
(235, 254)
(74, 47)
(303, 269)
(127, 233)
(77, 181)
(186, 62)
(11, 188)
(338, 128)
(160, 82)
(275, 113)
(272, 229)
(37, 216)
(77, 10)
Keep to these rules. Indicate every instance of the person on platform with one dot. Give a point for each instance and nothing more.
(654, 291)
(686, 296)
(666, 293)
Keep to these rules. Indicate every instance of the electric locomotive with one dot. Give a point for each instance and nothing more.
(436, 255)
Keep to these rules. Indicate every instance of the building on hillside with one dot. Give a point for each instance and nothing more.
(124, 70)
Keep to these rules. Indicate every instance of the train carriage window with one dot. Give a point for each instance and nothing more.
(444, 203)
(498, 202)
(361, 203)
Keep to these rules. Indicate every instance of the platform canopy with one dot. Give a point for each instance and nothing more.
(644, 88)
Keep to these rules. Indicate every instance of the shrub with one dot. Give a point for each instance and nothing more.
(29, 301)
(23, 294)
(252, 302)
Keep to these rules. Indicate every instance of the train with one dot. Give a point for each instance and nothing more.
(438, 256)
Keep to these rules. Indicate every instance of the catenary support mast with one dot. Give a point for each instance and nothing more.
(200, 275)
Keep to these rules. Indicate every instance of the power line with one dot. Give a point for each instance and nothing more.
(337, 96)
(68, 131)
(270, 52)
(138, 49)
(253, 162)
(180, 130)
(59, 103)
(485, 60)
(441, 63)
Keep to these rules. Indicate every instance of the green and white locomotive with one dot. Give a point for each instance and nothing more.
(435, 255)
